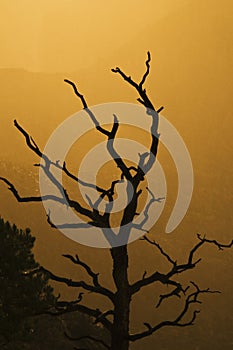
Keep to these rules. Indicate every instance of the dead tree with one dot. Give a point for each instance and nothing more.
(116, 320)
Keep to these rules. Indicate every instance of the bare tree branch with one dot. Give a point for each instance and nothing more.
(61, 305)
(66, 225)
(213, 241)
(78, 180)
(72, 203)
(176, 268)
(73, 307)
(34, 147)
(95, 289)
(146, 215)
(21, 199)
(147, 69)
(81, 284)
(139, 87)
(111, 134)
(29, 140)
(145, 238)
(175, 292)
(96, 219)
(144, 99)
(76, 92)
(88, 269)
(192, 298)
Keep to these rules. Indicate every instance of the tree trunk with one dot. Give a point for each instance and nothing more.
(120, 330)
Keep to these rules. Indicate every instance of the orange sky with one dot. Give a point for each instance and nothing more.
(60, 35)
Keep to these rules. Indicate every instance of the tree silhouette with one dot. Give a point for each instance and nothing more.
(116, 320)
(20, 296)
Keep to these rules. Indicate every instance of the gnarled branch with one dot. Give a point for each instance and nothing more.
(74, 306)
(192, 298)
(88, 269)
(98, 289)
(145, 101)
(176, 268)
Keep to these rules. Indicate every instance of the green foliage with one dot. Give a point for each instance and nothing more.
(21, 295)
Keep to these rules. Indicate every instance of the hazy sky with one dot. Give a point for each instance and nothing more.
(61, 35)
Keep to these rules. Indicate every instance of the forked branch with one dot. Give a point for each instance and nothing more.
(176, 268)
(110, 134)
(70, 307)
(95, 288)
(87, 268)
(179, 321)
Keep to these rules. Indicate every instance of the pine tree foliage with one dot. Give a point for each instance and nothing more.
(21, 295)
